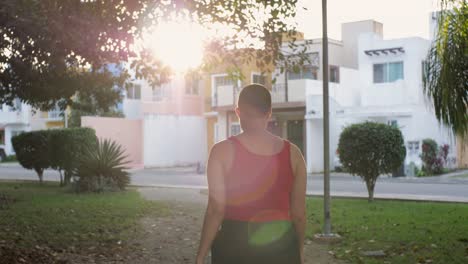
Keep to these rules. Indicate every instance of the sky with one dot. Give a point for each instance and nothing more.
(400, 18)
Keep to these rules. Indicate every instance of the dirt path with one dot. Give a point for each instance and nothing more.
(174, 239)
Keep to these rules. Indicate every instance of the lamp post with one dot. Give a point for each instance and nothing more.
(326, 125)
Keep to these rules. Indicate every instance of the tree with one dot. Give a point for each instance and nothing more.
(66, 148)
(370, 149)
(52, 49)
(88, 106)
(32, 151)
(446, 67)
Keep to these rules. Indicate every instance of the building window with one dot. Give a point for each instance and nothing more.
(134, 92)
(307, 72)
(55, 113)
(310, 72)
(413, 147)
(260, 79)
(393, 123)
(388, 72)
(223, 81)
(334, 74)
(235, 129)
(216, 133)
(192, 85)
(2, 137)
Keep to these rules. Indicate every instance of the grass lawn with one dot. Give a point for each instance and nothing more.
(463, 176)
(408, 232)
(49, 215)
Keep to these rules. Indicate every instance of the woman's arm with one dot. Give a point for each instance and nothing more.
(216, 201)
(298, 194)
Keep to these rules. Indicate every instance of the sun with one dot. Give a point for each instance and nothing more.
(178, 44)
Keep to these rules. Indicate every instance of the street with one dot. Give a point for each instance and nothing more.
(430, 188)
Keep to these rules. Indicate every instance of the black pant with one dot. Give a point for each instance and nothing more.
(240, 242)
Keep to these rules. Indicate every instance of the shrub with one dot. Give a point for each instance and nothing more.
(433, 157)
(32, 151)
(102, 167)
(9, 158)
(370, 149)
(67, 145)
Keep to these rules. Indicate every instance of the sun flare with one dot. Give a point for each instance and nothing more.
(178, 44)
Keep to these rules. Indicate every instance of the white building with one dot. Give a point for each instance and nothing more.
(13, 121)
(21, 118)
(386, 87)
(163, 126)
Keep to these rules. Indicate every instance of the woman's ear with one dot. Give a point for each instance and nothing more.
(237, 110)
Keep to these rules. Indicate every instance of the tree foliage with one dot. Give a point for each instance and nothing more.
(66, 147)
(32, 151)
(446, 68)
(89, 106)
(59, 149)
(370, 149)
(51, 49)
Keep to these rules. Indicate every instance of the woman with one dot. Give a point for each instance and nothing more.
(257, 184)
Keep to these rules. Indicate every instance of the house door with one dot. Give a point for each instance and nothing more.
(296, 133)
(274, 128)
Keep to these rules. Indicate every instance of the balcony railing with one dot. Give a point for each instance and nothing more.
(225, 96)
(55, 115)
(278, 93)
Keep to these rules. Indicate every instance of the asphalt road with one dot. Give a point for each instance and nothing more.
(434, 188)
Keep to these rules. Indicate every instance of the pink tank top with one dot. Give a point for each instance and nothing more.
(258, 187)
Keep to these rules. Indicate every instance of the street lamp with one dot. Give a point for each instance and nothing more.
(327, 234)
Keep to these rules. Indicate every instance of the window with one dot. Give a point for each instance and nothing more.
(307, 72)
(334, 74)
(393, 123)
(192, 85)
(310, 72)
(260, 79)
(55, 113)
(413, 147)
(162, 92)
(17, 105)
(2, 137)
(216, 132)
(423, 70)
(134, 92)
(223, 81)
(235, 129)
(388, 72)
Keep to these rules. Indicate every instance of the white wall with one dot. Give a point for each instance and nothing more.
(407, 91)
(132, 108)
(173, 140)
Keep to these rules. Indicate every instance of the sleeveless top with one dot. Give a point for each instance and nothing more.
(258, 187)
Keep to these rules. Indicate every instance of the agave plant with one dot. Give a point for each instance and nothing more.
(102, 167)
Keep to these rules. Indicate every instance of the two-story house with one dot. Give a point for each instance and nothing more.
(387, 87)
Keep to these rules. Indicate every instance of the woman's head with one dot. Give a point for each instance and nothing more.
(254, 107)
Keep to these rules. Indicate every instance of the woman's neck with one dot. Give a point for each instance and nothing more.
(255, 133)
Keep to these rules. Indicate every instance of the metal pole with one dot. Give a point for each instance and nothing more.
(326, 126)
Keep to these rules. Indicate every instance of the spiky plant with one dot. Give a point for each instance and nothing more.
(102, 167)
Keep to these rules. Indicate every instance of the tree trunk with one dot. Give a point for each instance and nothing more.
(370, 188)
(40, 173)
(61, 177)
(67, 178)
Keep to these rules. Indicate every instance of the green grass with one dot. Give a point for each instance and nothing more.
(463, 176)
(408, 232)
(49, 215)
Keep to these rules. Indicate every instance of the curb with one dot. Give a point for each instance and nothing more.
(414, 198)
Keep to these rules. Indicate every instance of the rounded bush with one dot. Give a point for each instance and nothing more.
(370, 149)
